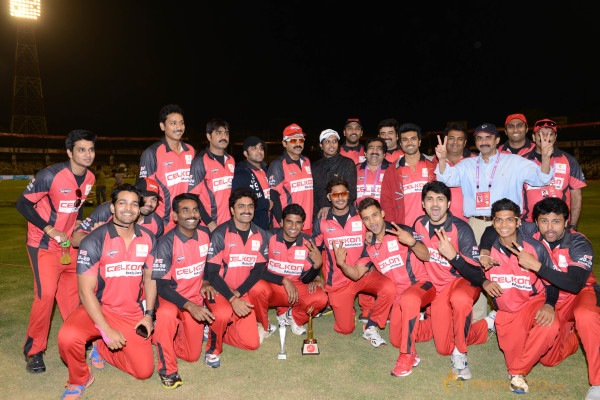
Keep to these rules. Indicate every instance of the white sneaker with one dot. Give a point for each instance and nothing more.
(296, 329)
(460, 369)
(372, 334)
(262, 334)
(593, 393)
(282, 319)
(518, 384)
(491, 317)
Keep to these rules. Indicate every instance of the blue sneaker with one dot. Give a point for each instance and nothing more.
(97, 361)
(74, 392)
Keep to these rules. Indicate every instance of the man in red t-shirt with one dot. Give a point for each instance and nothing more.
(388, 131)
(117, 295)
(516, 130)
(351, 148)
(52, 204)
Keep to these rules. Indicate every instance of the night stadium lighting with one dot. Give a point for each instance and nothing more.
(29, 9)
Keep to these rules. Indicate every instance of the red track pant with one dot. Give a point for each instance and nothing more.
(229, 328)
(275, 295)
(341, 300)
(136, 358)
(451, 315)
(176, 334)
(51, 280)
(566, 342)
(521, 339)
(405, 327)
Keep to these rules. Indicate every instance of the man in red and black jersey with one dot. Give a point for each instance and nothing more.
(117, 298)
(342, 224)
(148, 218)
(211, 173)
(294, 262)
(179, 273)
(370, 173)
(236, 259)
(457, 279)
(168, 161)
(290, 177)
(388, 131)
(351, 148)
(579, 298)
(525, 322)
(394, 251)
(516, 130)
(52, 204)
(567, 181)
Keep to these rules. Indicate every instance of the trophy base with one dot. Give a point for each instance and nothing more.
(282, 356)
(310, 349)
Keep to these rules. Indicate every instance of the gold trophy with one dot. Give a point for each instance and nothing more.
(310, 346)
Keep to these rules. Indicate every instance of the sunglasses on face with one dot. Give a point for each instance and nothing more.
(339, 195)
(295, 141)
(78, 201)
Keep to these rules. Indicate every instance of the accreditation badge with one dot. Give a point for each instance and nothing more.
(482, 200)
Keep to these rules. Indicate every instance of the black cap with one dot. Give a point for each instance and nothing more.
(351, 120)
(487, 128)
(252, 141)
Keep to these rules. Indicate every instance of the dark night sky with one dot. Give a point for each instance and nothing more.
(109, 66)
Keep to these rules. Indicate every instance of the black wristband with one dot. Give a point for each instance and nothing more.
(151, 313)
(416, 241)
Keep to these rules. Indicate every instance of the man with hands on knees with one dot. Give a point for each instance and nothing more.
(113, 264)
(179, 274)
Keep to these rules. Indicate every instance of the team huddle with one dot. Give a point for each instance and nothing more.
(200, 248)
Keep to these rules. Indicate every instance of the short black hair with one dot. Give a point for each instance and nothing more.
(215, 124)
(368, 202)
(436, 187)
(408, 127)
(184, 196)
(168, 110)
(127, 187)
(335, 182)
(550, 205)
(390, 122)
(455, 127)
(293, 209)
(242, 192)
(506, 205)
(376, 139)
(76, 135)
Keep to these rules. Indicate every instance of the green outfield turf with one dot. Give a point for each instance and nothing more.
(348, 366)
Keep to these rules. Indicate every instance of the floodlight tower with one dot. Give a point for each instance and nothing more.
(28, 114)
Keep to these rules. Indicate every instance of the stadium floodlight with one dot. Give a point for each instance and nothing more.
(29, 9)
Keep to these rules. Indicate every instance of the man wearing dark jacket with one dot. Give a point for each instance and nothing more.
(251, 174)
(332, 165)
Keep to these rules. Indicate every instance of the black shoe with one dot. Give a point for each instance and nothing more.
(35, 363)
(171, 381)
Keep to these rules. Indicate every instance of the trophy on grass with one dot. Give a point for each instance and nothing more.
(282, 355)
(310, 346)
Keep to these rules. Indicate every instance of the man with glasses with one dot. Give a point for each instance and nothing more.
(290, 177)
(51, 203)
(351, 148)
(516, 130)
(211, 174)
(567, 180)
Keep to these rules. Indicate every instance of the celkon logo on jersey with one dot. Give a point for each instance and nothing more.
(349, 241)
(300, 254)
(507, 281)
(141, 250)
(241, 260)
(67, 206)
(223, 183)
(301, 185)
(125, 268)
(436, 257)
(255, 245)
(357, 226)
(188, 159)
(415, 187)
(203, 250)
(175, 177)
(392, 245)
(189, 272)
(369, 190)
(390, 263)
(285, 268)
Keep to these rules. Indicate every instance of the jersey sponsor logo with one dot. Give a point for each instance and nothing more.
(357, 226)
(111, 253)
(562, 261)
(159, 266)
(242, 261)
(509, 281)
(369, 191)
(190, 271)
(361, 159)
(223, 183)
(392, 245)
(307, 169)
(425, 173)
(83, 252)
(414, 187)
(436, 257)
(30, 184)
(349, 241)
(67, 206)
(180, 258)
(586, 260)
(558, 183)
(167, 163)
(285, 268)
(88, 189)
(203, 250)
(65, 191)
(179, 176)
(141, 250)
(560, 168)
(300, 254)
(214, 170)
(124, 268)
(391, 263)
(143, 172)
(231, 245)
(255, 245)
(267, 193)
(329, 229)
(188, 159)
(230, 167)
(301, 185)
(83, 259)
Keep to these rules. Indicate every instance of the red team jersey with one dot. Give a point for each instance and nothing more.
(393, 155)
(119, 269)
(365, 181)
(292, 262)
(327, 231)
(567, 176)
(181, 261)
(441, 272)
(54, 192)
(356, 154)
(294, 183)
(170, 170)
(211, 180)
(527, 147)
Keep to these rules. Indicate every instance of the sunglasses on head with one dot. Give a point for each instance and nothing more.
(78, 194)
(541, 124)
(339, 195)
(295, 141)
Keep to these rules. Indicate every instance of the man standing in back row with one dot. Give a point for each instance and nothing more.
(351, 148)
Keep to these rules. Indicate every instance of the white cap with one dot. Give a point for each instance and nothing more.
(327, 133)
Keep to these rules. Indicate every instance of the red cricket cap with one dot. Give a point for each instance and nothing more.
(292, 130)
(148, 187)
(515, 116)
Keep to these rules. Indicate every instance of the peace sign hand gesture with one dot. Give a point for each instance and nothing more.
(314, 253)
(445, 246)
(526, 260)
(440, 150)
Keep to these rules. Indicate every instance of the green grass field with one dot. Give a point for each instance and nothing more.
(348, 366)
